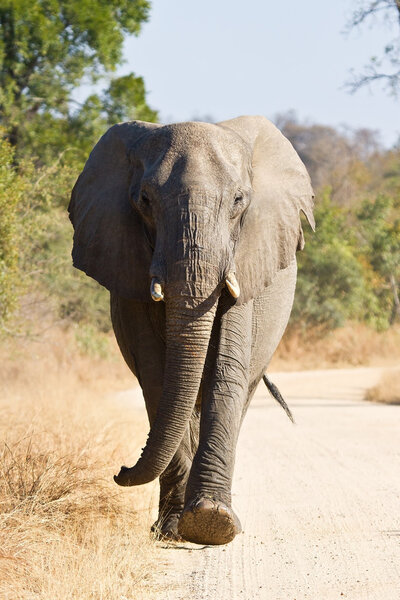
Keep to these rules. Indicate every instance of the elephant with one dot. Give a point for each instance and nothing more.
(193, 228)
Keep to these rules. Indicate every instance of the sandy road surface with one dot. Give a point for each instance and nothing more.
(319, 501)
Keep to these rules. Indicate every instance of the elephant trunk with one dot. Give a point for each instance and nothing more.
(188, 331)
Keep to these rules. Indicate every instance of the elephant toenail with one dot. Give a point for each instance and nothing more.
(204, 504)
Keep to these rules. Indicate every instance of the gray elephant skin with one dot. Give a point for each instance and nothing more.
(193, 228)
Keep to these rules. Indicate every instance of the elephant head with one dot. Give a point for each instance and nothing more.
(183, 213)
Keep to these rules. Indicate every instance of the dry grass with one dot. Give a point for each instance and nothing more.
(66, 530)
(353, 345)
(387, 390)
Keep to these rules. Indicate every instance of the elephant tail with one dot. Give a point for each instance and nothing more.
(273, 390)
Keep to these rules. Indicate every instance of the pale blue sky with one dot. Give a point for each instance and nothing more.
(228, 57)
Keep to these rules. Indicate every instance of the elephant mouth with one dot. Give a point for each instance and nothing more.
(157, 292)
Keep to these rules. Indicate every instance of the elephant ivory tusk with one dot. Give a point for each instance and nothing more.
(156, 290)
(232, 285)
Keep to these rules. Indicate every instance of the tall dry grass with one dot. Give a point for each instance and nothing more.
(387, 389)
(66, 530)
(352, 345)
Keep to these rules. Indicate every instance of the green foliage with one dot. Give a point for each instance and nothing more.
(74, 296)
(379, 221)
(123, 100)
(349, 270)
(332, 286)
(35, 246)
(45, 260)
(92, 342)
(10, 195)
(47, 49)
(121, 94)
(380, 231)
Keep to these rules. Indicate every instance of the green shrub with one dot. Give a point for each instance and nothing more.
(11, 190)
(332, 284)
(92, 342)
(379, 239)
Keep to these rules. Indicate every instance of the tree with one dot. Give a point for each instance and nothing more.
(379, 230)
(332, 284)
(10, 194)
(333, 158)
(47, 49)
(385, 68)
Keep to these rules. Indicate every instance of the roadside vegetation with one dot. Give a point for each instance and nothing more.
(349, 271)
(65, 530)
(387, 389)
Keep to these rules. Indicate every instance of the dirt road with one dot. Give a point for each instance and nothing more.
(319, 501)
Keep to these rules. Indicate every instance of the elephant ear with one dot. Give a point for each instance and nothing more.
(271, 231)
(109, 238)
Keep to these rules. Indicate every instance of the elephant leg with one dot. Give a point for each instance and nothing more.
(173, 483)
(139, 330)
(271, 312)
(208, 517)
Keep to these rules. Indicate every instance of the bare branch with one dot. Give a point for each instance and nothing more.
(375, 71)
(391, 80)
(362, 14)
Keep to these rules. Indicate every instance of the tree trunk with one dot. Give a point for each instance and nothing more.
(396, 301)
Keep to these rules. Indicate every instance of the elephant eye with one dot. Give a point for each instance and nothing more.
(145, 199)
(144, 205)
(237, 206)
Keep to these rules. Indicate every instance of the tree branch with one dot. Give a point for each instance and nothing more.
(360, 15)
(396, 300)
(392, 80)
(390, 54)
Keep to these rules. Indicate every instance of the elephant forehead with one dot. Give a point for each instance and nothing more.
(188, 153)
(201, 137)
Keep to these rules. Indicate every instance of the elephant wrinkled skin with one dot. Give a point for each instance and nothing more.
(193, 227)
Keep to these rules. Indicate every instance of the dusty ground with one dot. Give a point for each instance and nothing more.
(319, 501)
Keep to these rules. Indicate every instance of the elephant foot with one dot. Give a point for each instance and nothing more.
(166, 529)
(206, 521)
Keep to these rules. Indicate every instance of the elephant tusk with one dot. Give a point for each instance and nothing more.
(232, 285)
(156, 290)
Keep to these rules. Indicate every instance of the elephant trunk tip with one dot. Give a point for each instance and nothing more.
(122, 477)
(128, 477)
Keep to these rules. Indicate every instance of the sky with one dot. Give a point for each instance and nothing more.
(224, 58)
